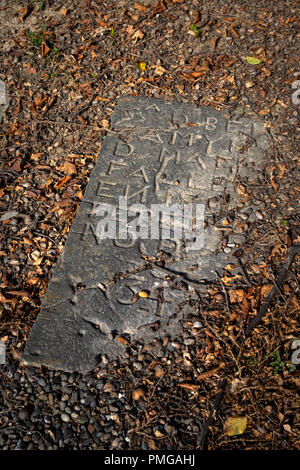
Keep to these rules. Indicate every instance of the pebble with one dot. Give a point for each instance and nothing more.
(259, 215)
(189, 341)
(65, 418)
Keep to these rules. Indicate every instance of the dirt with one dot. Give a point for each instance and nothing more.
(64, 66)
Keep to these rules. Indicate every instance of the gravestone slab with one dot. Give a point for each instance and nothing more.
(158, 152)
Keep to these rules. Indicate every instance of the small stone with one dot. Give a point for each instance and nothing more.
(189, 341)
(259, 215)
(83, 419)
(169, 429)
(65, 418)
(138, 365)
(24, 414)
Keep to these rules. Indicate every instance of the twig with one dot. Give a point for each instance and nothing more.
(212, 414)
(294, 250)
(243, 272)
(85, 108)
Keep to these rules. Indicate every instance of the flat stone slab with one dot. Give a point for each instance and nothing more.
(158, 152)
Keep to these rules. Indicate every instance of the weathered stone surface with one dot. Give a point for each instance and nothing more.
(158, 152)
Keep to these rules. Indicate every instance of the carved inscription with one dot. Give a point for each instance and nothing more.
(159, 152)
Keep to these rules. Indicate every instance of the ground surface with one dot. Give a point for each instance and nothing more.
(64, 64)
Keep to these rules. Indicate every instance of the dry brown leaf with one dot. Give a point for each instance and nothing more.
(122, 339)
(140, 7)
(207, 374)
(159, 7)
(189, 387)
(214, 41)
(138, 393)
(62, 182)
(45, 49)
(241, 190)
(25, 12)
(137, 35)
(197, 17)
(266, 289)
(151, 444)
(228, 280)
(273, 184)
(64, 11)
(236, 295)
(68, 168)
(40, 99)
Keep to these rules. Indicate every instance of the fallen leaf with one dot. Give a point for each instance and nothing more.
(105, 123)
(138, 393)
(64, 11)
(16, 166)
(207, 374)
(227, 280)
(40, 99)
(287, 428)
(197, 17)
(263, 112)
(62, 182)
(25, 12)
(253, 60)
(213, 42)
(122, 340)
(137, 35)
(143, 294)
(159, 70)
(241, 191)
(45, 49)
(235, 426)
(140, 7)
(266, 289)
(159, 7)
(68, 168)
(189, 387)
(236, 295)
(142, 66)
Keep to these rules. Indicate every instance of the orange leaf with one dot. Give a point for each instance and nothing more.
(197, 17)
(122, 340)
(25, 12)
(62, 181)
(45, 49)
